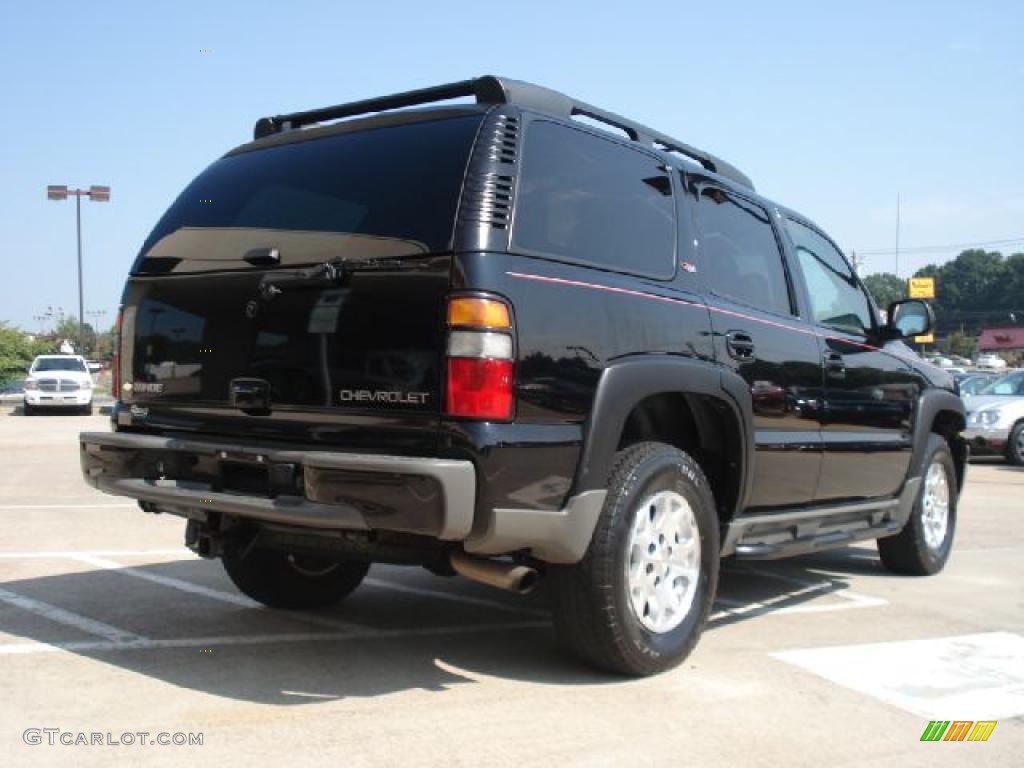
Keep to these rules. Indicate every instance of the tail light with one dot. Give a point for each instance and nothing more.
(480, 371)
(115, 360)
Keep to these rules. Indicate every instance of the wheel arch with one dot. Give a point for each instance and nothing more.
(939, 412)
(692, 404)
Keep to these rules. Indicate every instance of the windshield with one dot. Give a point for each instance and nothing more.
(1010, 384)
(385, 191)
(58, 364)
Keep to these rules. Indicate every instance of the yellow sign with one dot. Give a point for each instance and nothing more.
(928, 339)
(921, 287)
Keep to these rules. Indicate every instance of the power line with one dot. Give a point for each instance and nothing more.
(940, 248)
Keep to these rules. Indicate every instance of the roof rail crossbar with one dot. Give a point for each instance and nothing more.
(499, 90)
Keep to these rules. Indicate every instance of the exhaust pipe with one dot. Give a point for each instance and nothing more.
(521, 579)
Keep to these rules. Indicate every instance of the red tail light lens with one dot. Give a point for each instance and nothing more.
(115, 360)
(479, 388)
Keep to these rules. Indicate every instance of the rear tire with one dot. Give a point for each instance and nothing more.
(658, 528)
(28, 410)
(923, 546)
(293, 582)
(86, 410)
(1015, 445)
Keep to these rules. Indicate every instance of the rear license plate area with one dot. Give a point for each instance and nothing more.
(240, 477)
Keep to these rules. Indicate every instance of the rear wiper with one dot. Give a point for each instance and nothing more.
(321, 276)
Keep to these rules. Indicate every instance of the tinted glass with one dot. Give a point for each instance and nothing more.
(837, 299)
(586, 199)
(741, 257)
(58, 364)
(400, 183)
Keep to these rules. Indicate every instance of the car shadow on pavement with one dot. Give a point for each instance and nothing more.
(182, 622)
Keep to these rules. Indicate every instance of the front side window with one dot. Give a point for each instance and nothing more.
(741, 257)
(590, 200)
(837, 300)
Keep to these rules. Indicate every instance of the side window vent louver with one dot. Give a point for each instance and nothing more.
(505, 145)
(489, 190)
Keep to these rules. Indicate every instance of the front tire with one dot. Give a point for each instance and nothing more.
(1015, 445)
(28, 410)
(923, 546)
(637, 601)
(293, 582)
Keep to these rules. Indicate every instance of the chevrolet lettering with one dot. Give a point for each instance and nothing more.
(380, 396)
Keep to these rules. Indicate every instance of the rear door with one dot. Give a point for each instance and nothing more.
(303, 277)
(758, 334)
(869, 393)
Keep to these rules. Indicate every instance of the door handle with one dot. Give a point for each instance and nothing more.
(835, 366)
(740, 345)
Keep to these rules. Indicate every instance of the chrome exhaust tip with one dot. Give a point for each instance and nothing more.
(521, 579)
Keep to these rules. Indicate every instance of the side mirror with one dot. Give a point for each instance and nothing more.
(910, 317)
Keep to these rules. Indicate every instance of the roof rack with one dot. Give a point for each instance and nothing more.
(499, 90)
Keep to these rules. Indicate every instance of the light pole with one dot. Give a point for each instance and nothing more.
(97, 195)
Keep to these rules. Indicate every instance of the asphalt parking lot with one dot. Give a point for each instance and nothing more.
(108, 626)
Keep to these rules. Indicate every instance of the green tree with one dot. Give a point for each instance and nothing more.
(885, 288)
(958, 343)
(67, 328)
(17, 350)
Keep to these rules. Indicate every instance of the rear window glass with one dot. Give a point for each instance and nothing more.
(386, 191)
(590, 200)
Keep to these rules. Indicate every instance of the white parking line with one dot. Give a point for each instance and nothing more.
(454, 597)
(975, 677)
(285, 637)
(5, 507)
(232, 598)
(114, 636)
(58, 554)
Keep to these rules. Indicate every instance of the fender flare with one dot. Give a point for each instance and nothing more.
(929, 405)
(629, 380)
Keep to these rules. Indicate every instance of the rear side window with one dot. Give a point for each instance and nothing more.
(741, 257)
(388, 191)
(593, 201)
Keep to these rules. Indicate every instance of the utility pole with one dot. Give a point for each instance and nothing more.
(897, 234)
(856, 262)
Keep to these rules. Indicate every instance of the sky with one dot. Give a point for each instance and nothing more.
(832, 109)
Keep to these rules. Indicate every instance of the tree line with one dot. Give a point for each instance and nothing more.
(977, 289)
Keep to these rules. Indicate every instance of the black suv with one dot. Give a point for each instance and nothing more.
(516, 338)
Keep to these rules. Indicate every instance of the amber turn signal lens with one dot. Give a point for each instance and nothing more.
(478, 313)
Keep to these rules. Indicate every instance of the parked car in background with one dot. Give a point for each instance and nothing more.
(58, 381)
(972, 382)
(93, 366)
(991, 361)
(995, 419)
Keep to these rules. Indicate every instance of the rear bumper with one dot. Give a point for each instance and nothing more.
(314, 489)
(330, 490)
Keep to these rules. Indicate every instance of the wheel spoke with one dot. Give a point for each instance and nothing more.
(664, 561)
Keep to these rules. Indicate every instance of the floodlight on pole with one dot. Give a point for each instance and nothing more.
(98, 194)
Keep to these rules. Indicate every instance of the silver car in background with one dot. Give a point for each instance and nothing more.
(995, 418)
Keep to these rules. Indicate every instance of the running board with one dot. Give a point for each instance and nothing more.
(787, 533)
